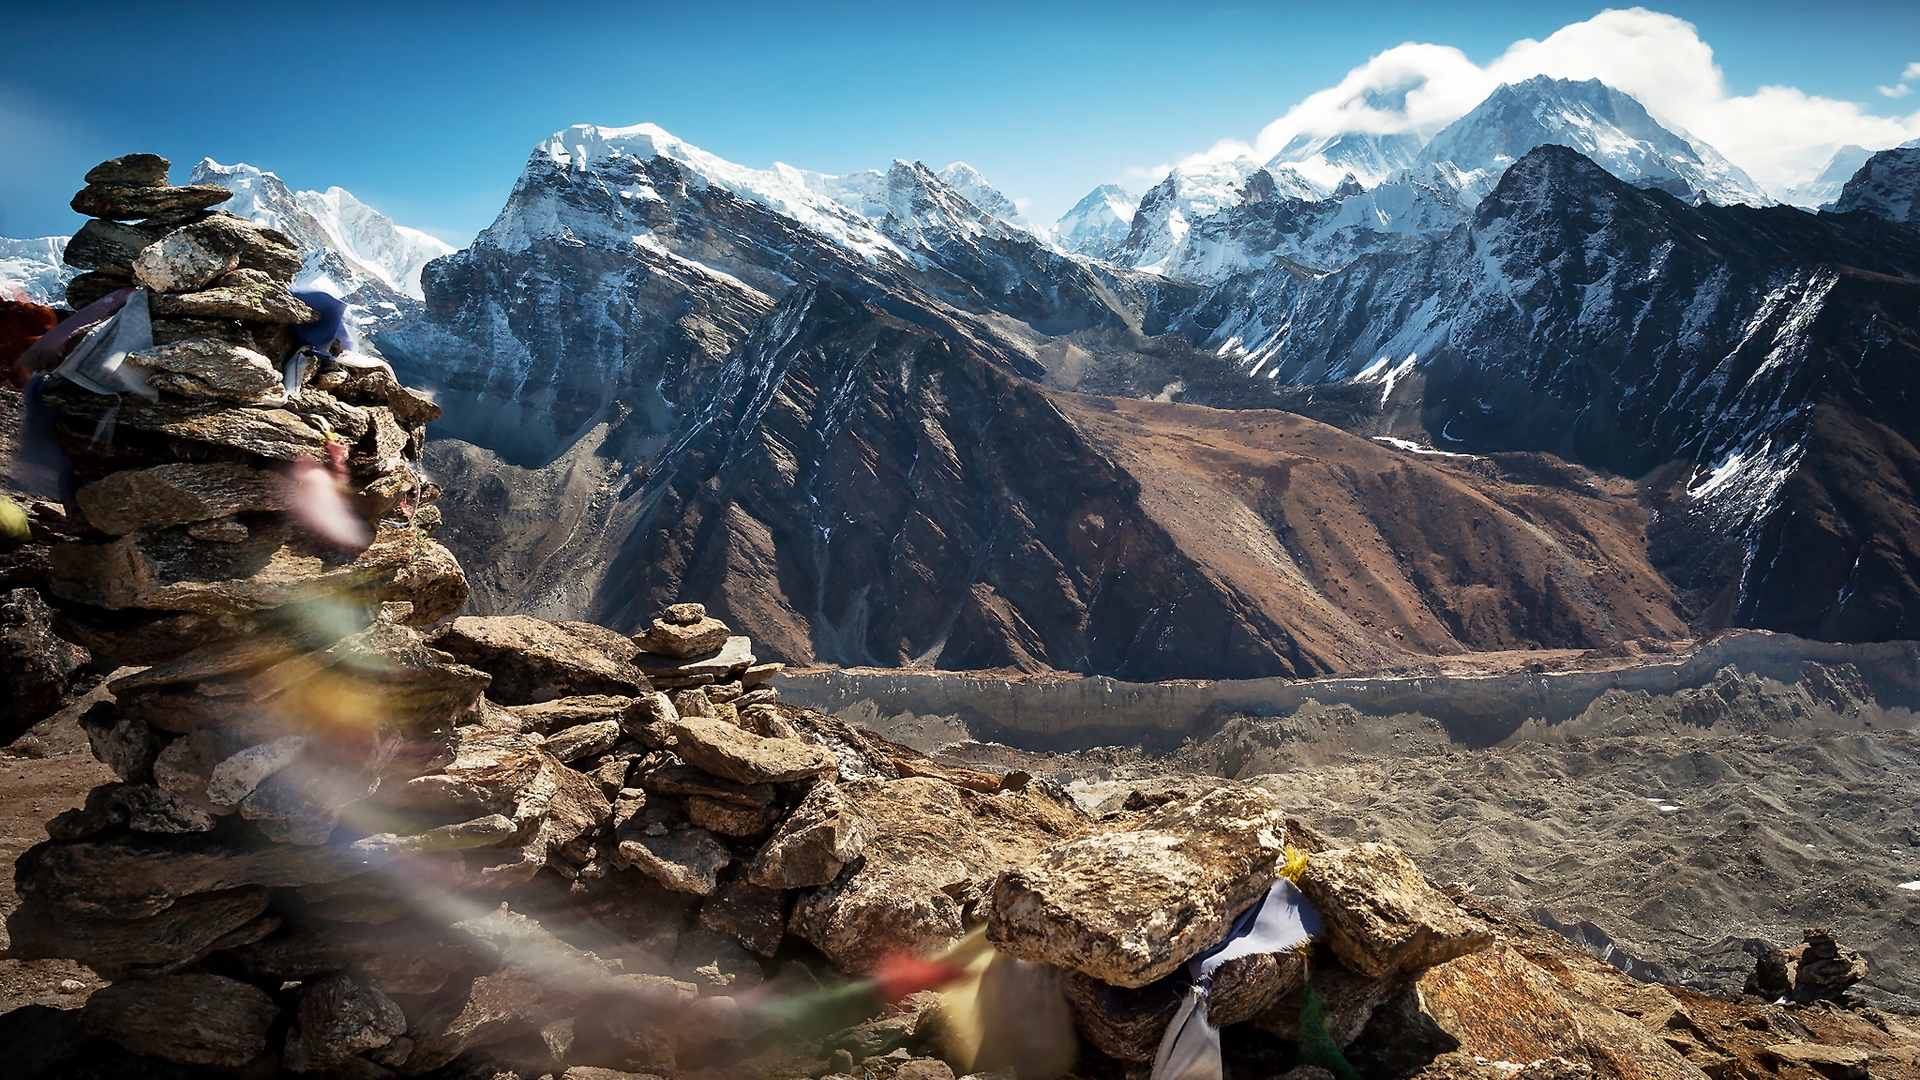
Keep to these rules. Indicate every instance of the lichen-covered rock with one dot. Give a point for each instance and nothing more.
(741, 756)
(813, 844)
(181, 262)
(131, 170)
(204, 368)
(1383, 915)
(1131, 904)
(194, 1019)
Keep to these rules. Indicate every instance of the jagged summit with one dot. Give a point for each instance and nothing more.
(375, 263)
(1602, 123)
(1886, 186)
(1098, 224)
(979, 191)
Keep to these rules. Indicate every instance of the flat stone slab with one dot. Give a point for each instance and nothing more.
(741, 756)
(1132, 904)
(736, 654)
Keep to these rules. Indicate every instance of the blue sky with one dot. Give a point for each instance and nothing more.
(428, 111)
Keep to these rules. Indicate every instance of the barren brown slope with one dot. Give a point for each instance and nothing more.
(1363, 550)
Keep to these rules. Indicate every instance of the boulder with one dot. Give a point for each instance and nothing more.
(131, 170)
(131, 876)
(37, 667)
(84, 289)
(582, 740)
(532, 660)
(186, 931)
(1500, 1005)
(402, 956)
(1834, 1062)
(686, 781)
(207, 368)
(562, 713)
(109, 246)
(256, 300)
(176, 493)
(753, 915)
(683, 641)
(1823, 968)
(928, 842)
(1131, 904)
(730, 819)
(180, 262)
(687, 861)
(813, 844)
(194, 1019)
(126, 746)
(727, 751)
(1382, 915)
(126, 202)
(338, 1018)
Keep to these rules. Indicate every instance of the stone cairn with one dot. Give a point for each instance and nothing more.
(355, 835)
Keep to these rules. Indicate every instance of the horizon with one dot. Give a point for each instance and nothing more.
(420, 151)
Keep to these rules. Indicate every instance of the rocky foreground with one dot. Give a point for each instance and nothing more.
(352, 834)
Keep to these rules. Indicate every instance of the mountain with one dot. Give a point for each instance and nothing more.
(376, 263)
(628, 265)
(1760, 356)
(661, 382)
(862, 417)
(1887, 186)
(1605, 125)
(1824, 188)
(33, 270)
(976, 189)
(1323, 201)
(1269, 224)
(1098, 224)
(1327, 160)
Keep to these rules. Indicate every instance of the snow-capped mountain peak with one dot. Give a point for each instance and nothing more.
(1098, 224)
(1326, 160)
(1600, 122)
(32, 270)
(367, 247)
(968, 181)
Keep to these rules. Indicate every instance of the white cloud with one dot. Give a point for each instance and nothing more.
(1779, 134)
(1901, 89)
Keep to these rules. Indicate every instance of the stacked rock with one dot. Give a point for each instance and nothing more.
(251, 530)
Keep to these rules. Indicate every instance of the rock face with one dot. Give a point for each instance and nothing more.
(1128, 906)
